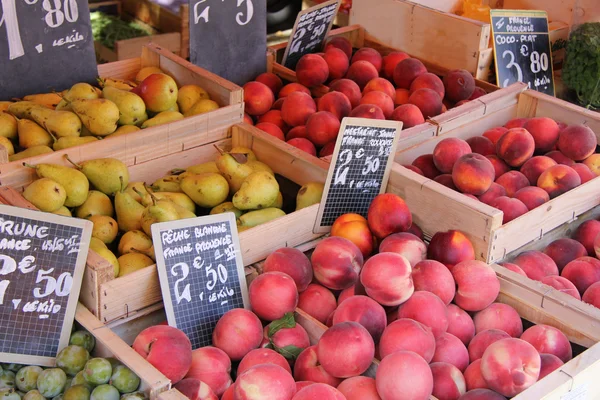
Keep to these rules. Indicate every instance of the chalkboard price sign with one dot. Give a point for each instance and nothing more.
(359, 170)
(522, 49)
(42, 259)
(45, 46)
(310, 30)
(201, 273)
(229, 38)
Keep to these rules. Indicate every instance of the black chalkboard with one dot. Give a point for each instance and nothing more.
(522, 49)
(42, 259)
(359, 170)
(229, 38)
(310, 30)
(45, 46)
(201, 273)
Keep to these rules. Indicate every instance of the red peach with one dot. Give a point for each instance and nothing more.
(322, 127)
(593, 163)
(558, 179)
(481, 145)
(548, 339)
(370, 55)
(271, 80)
(536, 264)
(365, 311)
(477, 284)
(492, 193)
(407, 335)
(379, 99)
(565, 250)
(337, 61)
(474, 377)
(248, 119)
(369, 111)
(448, 381)
(428, 81)
(265, 381)
(515, 146)
(428, 101)
(271, 129)
(302, 384)
(482, 394)
(336, 103)
(390, 61)
(550, 363)
(459, 85)
(359, 388)
(274, 117)
(341, 43)
(499, 316)
(583, 272)
(415, 230)
(380, 85)
(516, 123)
(562, 285)
(577, 142)
(433, 276)
(291, 88)
(278, 104)
(319, 391)
(426, 165)
(586, 233)
(494, 134)
(262, 356)
(237, 332)
(407, 245)
(388, 214)
(482, 341)
(500, 167)
(273, 294)
(194, 389)
(296, 108)
(211, 366)
(308, 368)
(585, 174)
(560, 158)
(349, 88)
(592, 295)
(346, 349)
(292, 262)
(327, 150)
(317, 301)
(354, 290)
(446, 180)
(386, 279)
(447, 152)
(532, 196)
(296, 336)
(401, 97)
(450, 248)
(258, 98)
(460, 324)
(450, 349)
(544, 131)
(511, 208)
(312, 70)
(356, 230)
(512, 181)
(477, 93)
(362, 72)
(409, 115)
(473, 174)
(336, 263)
(534, 167)
(406, 71)
(514, 268)
(428, 309)
(401, 367)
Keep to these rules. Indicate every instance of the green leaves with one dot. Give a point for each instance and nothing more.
(581, 71)
(290, 352)
(287, 321)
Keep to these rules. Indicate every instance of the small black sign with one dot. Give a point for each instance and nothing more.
(201, 273)
(229, 38)
(522, 49)
(42, 259)
(45, 46)
(359, 170)
(310, 30)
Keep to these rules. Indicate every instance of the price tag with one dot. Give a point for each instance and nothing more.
(310, 30)
(45, 45)
(522, 49)
(360, 168)
(229, 38)
(201, 273)
(42, 259)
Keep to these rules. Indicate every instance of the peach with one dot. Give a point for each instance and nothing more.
(386, 279)
(481, 145)
(271, 129)
(460, 324)
(583, 272)
(448, 382)
(388, 214)
(228, 395)
(477, 285)
(548, 339)
(593, 163)
(336, 103)
(451, 350)
(322, 127)
(312, 70)
(291, 88)
(577, 142)
(536, 264)
(558, 179)
(317, 301)
(348, 88)
(592, 295)
(262, 356)
(369, 111)
(296, 108)
(327, 150)
(500, 167)
(308, 368)
(535, 166)
(390, 61)
(565, 250)
(274, 117)
(365, 311)
(258, 98)
(346, 349)
(337, 63)
(211, 366)
(264, 381)
(512, 181)
(428, 309)
(492, 193)
(354, 290)
(302, 384)
(354, 228)
(359, 388)
(237, 332)
(271, 80)
(544, 131)
(585, 174)
(474, 377)
(248, 119)
(459, 85)
(560, 158)
(550, 363)
(415, 230)
(336, 263)
(426, 165)
(446, 180)
(406, 71)
(428, 81)
(499, 316)
(278, 103)
(514, 268)
(401, 367)
(362, 72)
(428, 101)
(379, 99)
(511, 208)
(407, 245)
(447, 152)
(409, 115)
(319, 391)
(401, 97)
(482, 341)
(586, 233)
(477, 93)
(473, 174)
(482, 394)
(380, 85)
(510, 366)
(516, 123)
(433, 276)
(296, 336)
(341, 43)
(562, 285)
(370, 55)
(292, 262)
(532, 196)
(273, 294)
(407, 335)
(450, 248)
(495, 133)
(194, 389)
(515, 146)
(168, 349)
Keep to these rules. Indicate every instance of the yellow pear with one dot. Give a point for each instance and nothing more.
(4, 105)
(48, 100)
(58, 123)
(309, 194)
(105, 228)
(206, 190)
(132, 262)
(131, 106)
(189, 95)
(123, 130)
(100, 116)
(278, 203)
(181, 199)
(226, 207)
(78, 91)
(75, 183)
(30, 152)
(146, 72)
(100, 248)
(8, 126)
(108, 175)
(128, 210)
(64, 211)
(159, 92)
(97, 203)
(254, 218)
(139, 192)
(162, 118)
(201, 106)
(167, 184)
(72, 141)
(31, 134)
(135, 241)
(22, 109)
(46, 194)
(233, 171)
(159, 211)
(259, 190)
(8, 145)
(183, 212)
(259, 166)
(209, 166)
(116, 83)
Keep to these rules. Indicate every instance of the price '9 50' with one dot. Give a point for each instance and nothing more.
(214, 276)
(371, 165)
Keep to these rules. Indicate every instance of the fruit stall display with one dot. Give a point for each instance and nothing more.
(113, 288)
(191, 105)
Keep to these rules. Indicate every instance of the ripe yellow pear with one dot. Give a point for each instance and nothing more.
(201, 106)
(8, 125)
(146, 72)
(108, 175)
(162, 118)
(135, 240)
(72, 141)
(259, 190)
(99, 116)
(48, 100)
(159, 211)
(132, 262)
(22, 109)
(168, 183)
(226, 207)
(64, 211)
(189, 95)
(131, 106)
(97, 203)
(58, 123)
(8, 146)
(123, 130)
(206, 190)
(78, 91)
(4, 105)
(129, 211)
(100, 248)
(159, 92)
(30, 152)
(257, 217)
(75, 183)
(309, 194)
(116, 83)
(105, 228)
(46, 194)
(31, 134)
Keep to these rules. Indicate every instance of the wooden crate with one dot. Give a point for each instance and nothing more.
(438, 208)
(161, 140)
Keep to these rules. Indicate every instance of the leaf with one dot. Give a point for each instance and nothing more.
(286, 322)
(290, 352)
(240, 157)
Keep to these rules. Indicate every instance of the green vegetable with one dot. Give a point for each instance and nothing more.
(581, 71)
(107, 29)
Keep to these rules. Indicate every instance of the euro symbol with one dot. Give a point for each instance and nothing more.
(524, 51)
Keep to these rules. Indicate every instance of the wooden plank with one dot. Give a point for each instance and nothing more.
(172, 394)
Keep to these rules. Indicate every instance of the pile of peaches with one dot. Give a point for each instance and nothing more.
(363, 85)
(516, 167)
(427, 312)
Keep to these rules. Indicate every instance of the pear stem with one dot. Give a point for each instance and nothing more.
(122, 183)
(177, 171)
(29, 165)
(51, 135)
(66, 156)
(220, 150)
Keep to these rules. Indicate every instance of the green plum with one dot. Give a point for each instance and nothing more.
(97, 371)
(105, 392)
(33, 395)
(12, 367)
(7, 379)
(9, 394)
(124, 379)
(134, 396)
(77, 392)
(83, 339)
(26, 378)
(51, 382)
(59, 397)
(72, 359)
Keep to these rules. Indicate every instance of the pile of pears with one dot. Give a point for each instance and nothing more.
(47, 122)
(122, 212)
